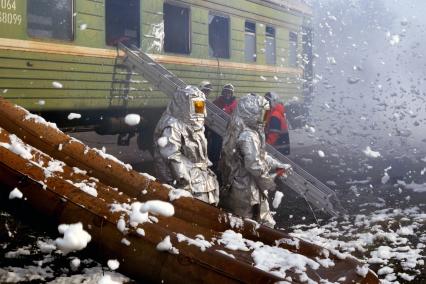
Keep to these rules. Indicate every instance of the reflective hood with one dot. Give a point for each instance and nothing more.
(251, 110)
(188, 105)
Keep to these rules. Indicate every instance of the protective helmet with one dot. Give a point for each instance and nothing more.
(188, 105)
(206, 85)
(228, 87)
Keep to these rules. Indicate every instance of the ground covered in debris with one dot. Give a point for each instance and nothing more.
(29, 255)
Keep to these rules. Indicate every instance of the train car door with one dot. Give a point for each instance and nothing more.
(122, 21)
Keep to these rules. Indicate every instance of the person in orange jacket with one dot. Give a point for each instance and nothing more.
(276, 129)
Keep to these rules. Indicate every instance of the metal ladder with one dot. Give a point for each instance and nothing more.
(313, 190)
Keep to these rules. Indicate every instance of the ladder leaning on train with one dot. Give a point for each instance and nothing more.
(304, 184)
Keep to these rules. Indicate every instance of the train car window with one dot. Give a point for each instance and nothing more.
(50, 19)
(177, 36)
(122, 20)
(250, 42)
(218, 36)
(270, 45)
(292, 49)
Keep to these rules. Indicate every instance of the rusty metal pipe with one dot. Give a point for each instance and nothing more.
(62, 147)
(74, 153)
(68, 204)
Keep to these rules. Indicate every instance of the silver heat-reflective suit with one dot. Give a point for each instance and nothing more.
(245, 165)
(181, 148)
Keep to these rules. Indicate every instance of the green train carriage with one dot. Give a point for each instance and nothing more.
(59, 56)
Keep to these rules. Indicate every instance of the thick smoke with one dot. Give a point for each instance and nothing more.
(370, 75)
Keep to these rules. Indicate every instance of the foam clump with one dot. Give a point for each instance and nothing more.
(158, 207)
(132, 119)
(15, 194)
(75, 238)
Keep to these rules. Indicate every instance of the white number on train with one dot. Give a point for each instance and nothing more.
(8, 4)
(10, 18)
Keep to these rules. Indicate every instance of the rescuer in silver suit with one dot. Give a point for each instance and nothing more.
(181, 148)
(248, 171)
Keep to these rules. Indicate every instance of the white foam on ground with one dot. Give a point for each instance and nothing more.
(75, 238)
(75, 263)
(277, 260)
(93, 276)
(46, 247)
(16, 194)
(113, 264)
(273, 259)
(375, 238)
